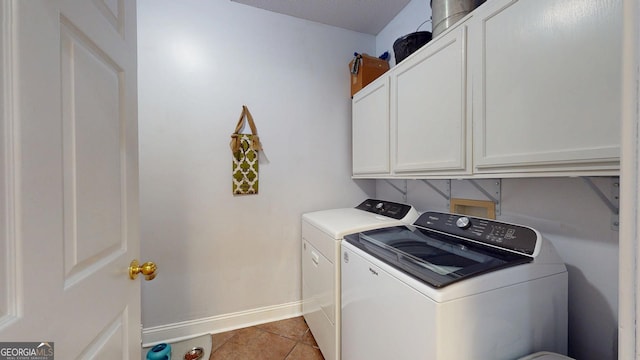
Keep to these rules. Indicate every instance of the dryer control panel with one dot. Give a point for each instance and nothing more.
(504, 235)
(387, 208)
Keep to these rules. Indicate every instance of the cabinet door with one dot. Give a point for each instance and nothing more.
(428, 108)
(370, 117)
(547, 85)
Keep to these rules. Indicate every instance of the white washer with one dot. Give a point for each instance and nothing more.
(322, 232)
(452, 287)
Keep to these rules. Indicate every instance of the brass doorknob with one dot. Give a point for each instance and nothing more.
(147, 269)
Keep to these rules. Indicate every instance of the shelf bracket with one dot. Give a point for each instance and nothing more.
(446, 195)
(494, 194)
(613, 204)
(401, 191)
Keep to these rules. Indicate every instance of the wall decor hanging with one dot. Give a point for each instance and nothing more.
(245, 148)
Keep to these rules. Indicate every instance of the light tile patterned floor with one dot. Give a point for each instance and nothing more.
(288, 339)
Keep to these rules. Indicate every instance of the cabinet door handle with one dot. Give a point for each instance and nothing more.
(315, 258)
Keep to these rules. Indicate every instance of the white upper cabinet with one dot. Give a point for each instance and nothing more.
(370, 121)
(517, 88)
(428, 109)
(547, 86)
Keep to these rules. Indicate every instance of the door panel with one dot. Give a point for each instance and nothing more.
(110, 342)
(113, 11)
(538, 105)
(70, 140)
(370, 117)
(429, 108)
(92, 134)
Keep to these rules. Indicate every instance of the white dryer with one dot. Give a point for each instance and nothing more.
(322, 233)
(452, 287)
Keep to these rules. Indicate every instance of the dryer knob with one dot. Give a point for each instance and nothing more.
(463, 222)
(380, 206)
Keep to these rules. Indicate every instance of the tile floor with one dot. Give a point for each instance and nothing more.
(288, 339)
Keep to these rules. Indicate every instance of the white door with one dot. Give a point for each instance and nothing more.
(539, 106)
(370, 128)
(69, 198)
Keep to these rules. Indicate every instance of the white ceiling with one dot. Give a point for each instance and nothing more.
(365, 16)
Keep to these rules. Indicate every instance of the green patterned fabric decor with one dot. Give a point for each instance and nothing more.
(245, 167)
(244, 148)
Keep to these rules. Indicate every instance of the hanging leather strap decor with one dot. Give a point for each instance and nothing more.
(244, 148)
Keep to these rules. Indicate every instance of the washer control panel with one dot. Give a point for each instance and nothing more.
(387, 208)
(508, 236)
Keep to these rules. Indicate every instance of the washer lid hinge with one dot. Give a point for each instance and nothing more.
(613, 204)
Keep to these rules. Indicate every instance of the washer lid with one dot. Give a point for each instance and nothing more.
(369, 215)
(339, 222)
(434, 258)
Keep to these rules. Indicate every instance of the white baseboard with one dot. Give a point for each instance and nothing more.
(188, 329)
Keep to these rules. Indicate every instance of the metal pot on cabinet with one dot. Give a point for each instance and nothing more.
(445, 13)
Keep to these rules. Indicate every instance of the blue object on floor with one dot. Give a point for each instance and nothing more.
(160, 352)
